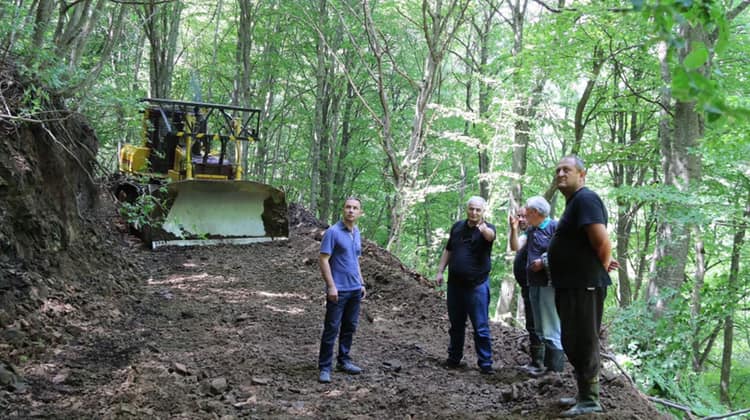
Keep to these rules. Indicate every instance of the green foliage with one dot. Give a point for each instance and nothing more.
(148, 210)
(658, 354)
(690, 81)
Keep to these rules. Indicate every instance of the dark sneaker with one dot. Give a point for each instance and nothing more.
(486, 370)
(325, 376)
(349, 368)
(452, 364)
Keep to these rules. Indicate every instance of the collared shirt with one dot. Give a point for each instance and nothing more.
(345, 247)
(470, 259)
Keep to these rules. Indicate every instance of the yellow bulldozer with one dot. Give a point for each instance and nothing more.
(193, 151)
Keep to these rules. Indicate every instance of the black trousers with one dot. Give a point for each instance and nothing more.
(580, 312)
(534, 339)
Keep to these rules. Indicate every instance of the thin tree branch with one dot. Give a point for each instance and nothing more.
(668, 403)
(723, 416)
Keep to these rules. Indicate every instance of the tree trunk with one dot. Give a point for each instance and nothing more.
(525, 111)
(732, 286)
(41, 21)
(242, 93)
(319, 141)
(162, 25)
(439, 26)
(343, 149)
(695, 304)
(682, 168)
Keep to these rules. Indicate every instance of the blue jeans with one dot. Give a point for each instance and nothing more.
(473, 303)
(546, 321)
(341, 319)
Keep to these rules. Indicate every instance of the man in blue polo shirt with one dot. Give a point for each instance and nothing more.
(467, 256)
(340, 250)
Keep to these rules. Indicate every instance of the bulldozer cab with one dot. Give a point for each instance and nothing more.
(196, 140)
(196, 148)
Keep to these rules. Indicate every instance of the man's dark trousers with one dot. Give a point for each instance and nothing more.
(341, 319)
(580, 312)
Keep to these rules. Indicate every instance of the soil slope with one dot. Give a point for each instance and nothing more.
(93, 325)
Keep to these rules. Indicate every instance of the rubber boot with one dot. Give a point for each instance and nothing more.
(567, 401)
(588, 400)
(556, 360)
(537, 358)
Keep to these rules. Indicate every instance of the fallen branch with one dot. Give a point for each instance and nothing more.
(611, 358)
(687, 410)
(723, 416)
(16, 118)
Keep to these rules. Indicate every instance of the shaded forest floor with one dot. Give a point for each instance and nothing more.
(233, 332)
(93, 325)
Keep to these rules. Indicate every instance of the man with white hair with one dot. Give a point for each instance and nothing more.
(467, 256)
(541, 293)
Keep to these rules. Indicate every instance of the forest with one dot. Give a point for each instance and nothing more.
(415, 106)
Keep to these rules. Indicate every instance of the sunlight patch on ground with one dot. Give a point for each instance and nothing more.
(56, 307)
(290, 310)
(202, 277)
(177, 279)
(334, 393)
(226, 295)
(281, 295)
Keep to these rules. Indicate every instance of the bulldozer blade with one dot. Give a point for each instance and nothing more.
(221, 211)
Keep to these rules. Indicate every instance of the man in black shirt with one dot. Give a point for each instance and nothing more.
(579, 261)
(467, 254)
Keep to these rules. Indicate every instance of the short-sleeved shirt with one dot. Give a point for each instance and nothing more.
(573, 262)
(345, 247)
(537, 242)
(470, 258)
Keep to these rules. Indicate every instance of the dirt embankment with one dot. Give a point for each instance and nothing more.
(92, 325)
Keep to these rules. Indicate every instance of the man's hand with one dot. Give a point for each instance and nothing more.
(487, 233)
(364, 292)
(613, 265)
(513, 222)
(438, 279)
(537, 265)
(332, 295)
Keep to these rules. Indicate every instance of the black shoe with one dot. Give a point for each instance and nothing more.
(487, 370)
(452, 364)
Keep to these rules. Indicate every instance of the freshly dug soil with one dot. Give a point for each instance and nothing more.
(94, 325)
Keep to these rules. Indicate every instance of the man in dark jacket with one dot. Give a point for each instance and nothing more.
(579, 261)
(467, 256)
(517, 241)
(541, 292)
